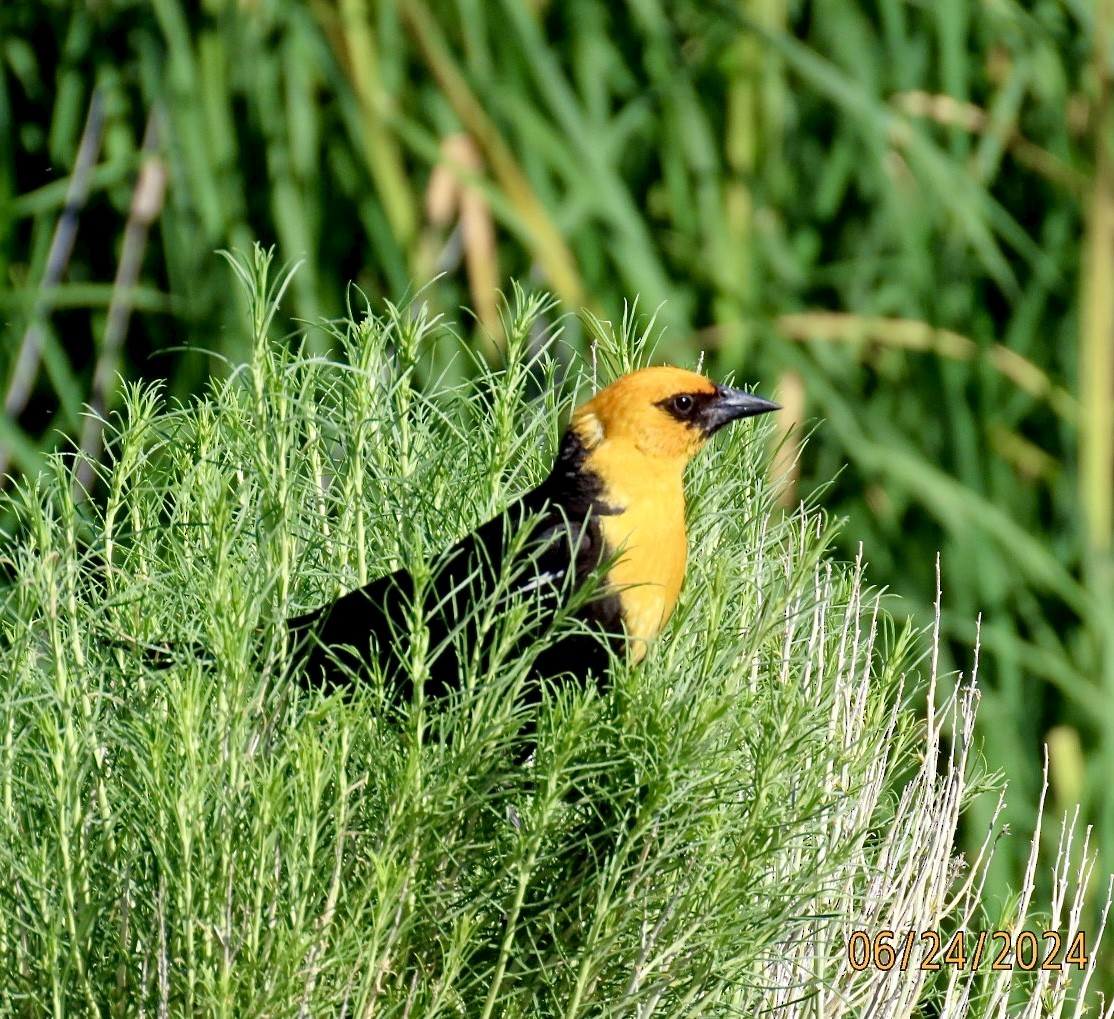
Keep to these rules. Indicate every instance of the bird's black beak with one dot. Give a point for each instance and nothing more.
(729, 405)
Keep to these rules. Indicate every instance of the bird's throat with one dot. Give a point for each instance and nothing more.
(648, 534)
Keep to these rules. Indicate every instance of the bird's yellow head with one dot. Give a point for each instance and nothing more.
(663, 413)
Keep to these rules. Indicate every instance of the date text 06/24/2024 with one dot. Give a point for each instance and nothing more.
(1024, 950)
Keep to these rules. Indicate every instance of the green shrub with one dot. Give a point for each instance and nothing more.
(183, 832)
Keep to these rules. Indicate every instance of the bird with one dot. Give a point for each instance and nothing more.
(602, 539)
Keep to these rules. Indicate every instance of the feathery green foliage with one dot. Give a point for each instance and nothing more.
(194, 835)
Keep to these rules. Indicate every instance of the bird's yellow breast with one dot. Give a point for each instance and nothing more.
(647, 532)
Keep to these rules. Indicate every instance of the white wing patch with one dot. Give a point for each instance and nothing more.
(549, 577)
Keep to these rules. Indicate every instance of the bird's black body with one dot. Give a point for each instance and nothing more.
(373, 622)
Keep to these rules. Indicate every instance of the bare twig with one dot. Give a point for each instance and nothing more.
(147, 203)
(58, 257)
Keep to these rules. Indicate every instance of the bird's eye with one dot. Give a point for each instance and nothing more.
(683, 404)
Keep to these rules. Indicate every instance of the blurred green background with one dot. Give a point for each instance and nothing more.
(897, 217)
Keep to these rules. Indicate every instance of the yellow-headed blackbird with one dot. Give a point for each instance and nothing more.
(613, 504)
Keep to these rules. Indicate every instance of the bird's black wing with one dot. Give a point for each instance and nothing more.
(534, 548)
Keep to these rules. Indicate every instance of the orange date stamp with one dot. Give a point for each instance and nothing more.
(927, 950)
